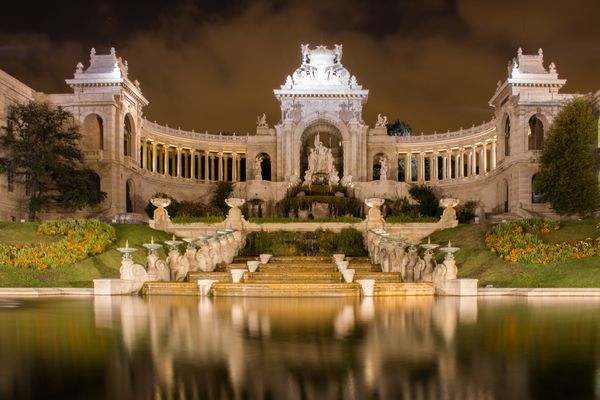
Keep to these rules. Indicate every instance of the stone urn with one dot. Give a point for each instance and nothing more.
(160, 213)
(252, 265)
(348, 275)
(237, 274)
(448, 219)
(264, 258)
(374, 218)
(235, 218)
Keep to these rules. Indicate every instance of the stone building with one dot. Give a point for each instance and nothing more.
(493, 163)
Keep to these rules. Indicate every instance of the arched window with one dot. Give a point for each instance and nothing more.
(93, 128)
(535, 196)
(264, 162)
(507, 137)
(401, 169)
(377, 166)
(535, 133)
(127, 135)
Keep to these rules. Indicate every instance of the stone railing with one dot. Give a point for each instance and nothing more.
(205, 136)
(461, 133)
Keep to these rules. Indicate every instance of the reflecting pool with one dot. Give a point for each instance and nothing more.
(250, 348)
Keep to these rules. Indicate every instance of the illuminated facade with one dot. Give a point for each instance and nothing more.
(493, 163)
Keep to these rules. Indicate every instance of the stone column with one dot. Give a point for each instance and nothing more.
(408, 167)
(153, 157)
(234, 167)
(194, 169)
(422, 167)
(434, 166)
(220, 164)
(474, 160)
(206, 161)
(225, 167)
(166, 160)
(212, 167)
(493, 156)
(178, 161)
(144, 154)
(483, 168)
(459, 165)
(449, 163)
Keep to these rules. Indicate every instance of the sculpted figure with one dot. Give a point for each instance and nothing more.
(413, 267)
(399, 260)
(384, 168)
(261, 120)
(381, 121)
(429, 265)
(258, 166)
(158, 270)
(179, 266)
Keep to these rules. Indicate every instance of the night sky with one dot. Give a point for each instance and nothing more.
(213, 65)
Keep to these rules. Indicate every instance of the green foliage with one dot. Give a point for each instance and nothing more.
(399, 128)
(402, 208)
(183, 208)
(81, 238)
(286, 220)
(429, 204)
(405, 218)
(567, 178)
(320, 242)
(337, 197)
(185, 219)
(41, 148)
(465, 212)
(222, 192)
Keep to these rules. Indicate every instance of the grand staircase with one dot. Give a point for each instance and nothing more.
(293, 277)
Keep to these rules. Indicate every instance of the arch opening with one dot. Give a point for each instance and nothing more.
(330, 137)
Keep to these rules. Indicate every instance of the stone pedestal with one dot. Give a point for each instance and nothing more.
(114, 287)
(457, 287)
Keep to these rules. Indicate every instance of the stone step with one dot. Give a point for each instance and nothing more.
(297, 268)
(287, 289)
(220, 276)
(285, 277)
(170, 289)
(403, 289)
(390, 277)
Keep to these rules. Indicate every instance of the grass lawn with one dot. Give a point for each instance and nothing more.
(474, 260)
(81, 274)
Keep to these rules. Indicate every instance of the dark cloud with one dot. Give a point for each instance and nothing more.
(206, 65)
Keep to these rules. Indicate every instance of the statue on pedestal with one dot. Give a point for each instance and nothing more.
(258, 168)
(320, 165)
(384, 169)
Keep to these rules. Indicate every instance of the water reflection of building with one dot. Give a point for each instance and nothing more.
(385, 348)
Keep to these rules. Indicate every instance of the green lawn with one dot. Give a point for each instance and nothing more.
(474, 260)
(81, 274)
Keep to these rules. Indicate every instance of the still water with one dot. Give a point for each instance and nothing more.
(382, 348)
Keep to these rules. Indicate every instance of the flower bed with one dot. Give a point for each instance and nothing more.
(82, 239)
(518, 242)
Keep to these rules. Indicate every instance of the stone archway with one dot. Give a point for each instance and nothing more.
(330, 136)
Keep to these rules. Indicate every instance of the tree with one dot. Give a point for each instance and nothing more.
(222, 192)
(429, 204)
(567, 178)
(399, 128)
(41, 149)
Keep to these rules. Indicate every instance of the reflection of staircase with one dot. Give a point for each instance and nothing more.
(293, 277)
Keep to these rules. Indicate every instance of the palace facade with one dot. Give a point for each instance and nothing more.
(494, 163)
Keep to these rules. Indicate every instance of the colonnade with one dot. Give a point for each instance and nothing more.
(188, 163)
(458, 162)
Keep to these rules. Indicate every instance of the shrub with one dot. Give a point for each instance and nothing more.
(320, 242)
(222, 192)
(465, 213)
(83, 237)
(185, 219)
(429, 204)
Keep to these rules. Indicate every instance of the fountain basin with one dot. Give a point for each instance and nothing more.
(252, 265)
(237, 274)
(367, 286)
(348, 275)
(205, 285)
(338, 257)
(342, 265)
(264, 258)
